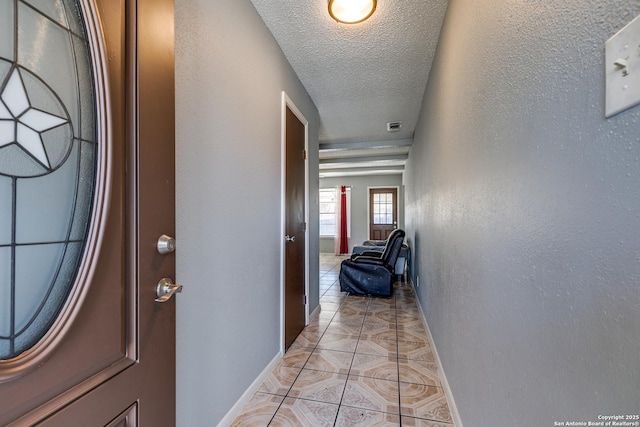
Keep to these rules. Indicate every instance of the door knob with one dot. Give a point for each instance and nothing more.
(166, 289)
(288, 238)
(166, 244)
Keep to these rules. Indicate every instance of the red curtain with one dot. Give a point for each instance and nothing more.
(344, 242)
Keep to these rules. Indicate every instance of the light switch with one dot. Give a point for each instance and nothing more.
(622, 68)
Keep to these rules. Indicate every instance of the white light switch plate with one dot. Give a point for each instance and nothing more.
(622, 68)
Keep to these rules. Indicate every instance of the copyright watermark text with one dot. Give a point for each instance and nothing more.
(604, 421)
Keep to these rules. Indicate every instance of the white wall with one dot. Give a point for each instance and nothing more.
(229, 76)
(523, 209)
(360, 204)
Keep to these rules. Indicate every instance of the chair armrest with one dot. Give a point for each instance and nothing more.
(371, 254)
(363, 259)
(374, 243)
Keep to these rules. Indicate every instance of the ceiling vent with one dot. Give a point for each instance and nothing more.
(394, 126)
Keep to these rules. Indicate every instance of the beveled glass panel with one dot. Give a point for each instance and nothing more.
(32, 143)
(52, 9)
(6, 29)
(14, 96)
(86, 184)
(5, 114)
(39, 318)
(86, 90)
(5, 67)
(69, 266)
(74, 17)
(5, 292)
(56, 152)
(41, 121)
(5, 210)
(41, 96)
(7, 131)
(14, 162)
(56, 295)
(48, 157)
(44, 50)
(35, 133)
(40, 280)
(45, 205)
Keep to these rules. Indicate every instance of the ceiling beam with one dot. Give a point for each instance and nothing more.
(357, 173)
(365, 144)
(365, 159)
(397, 169)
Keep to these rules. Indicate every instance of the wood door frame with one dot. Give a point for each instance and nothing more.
(374, 187)
(287, 102)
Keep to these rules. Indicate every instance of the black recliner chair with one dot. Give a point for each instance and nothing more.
(372, 273)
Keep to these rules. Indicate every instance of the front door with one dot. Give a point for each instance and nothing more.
(86, 189)
(383, 212)
(295, 228)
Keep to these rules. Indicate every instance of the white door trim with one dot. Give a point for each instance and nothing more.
(287, 102)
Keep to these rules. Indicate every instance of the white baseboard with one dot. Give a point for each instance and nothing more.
(455, 415)
(246, 396)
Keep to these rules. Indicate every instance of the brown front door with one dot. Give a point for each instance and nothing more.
(383, 212)
(108, 358)
(294, 304)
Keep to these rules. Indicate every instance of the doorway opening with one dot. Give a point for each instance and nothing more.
(383, 212)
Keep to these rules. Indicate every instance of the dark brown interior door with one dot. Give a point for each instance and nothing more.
(383, 212)
(112, 363)
(294, 305)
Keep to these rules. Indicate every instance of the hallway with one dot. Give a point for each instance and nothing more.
(360, 362)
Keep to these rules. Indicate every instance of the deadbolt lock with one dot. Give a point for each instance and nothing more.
(166, 244)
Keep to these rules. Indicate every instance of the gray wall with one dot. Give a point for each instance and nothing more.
(359, 204)
(523, 206)
(230, 74)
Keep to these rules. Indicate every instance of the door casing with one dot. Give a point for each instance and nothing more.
(287, 102)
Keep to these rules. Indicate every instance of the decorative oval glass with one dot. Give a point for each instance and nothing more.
(48, 162)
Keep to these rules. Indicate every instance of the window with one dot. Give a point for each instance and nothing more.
(329, 200)
(383, 205)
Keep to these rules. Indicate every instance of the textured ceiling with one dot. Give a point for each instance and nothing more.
(360, 76)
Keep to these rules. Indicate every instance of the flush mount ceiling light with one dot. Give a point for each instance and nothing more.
(351, 11)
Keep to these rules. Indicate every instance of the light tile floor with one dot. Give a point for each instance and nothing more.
(360, 362)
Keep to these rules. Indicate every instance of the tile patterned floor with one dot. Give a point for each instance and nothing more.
(360, 362)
